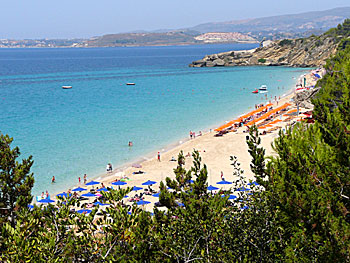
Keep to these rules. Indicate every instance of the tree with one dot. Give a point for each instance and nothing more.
(16, 181)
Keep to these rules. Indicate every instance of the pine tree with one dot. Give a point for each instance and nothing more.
(16, 181)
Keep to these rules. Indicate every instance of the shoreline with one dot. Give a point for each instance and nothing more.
(166, 150)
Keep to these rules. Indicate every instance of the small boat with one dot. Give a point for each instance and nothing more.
(130, 84)
(255, 91)
(263, 89)
(66, 87)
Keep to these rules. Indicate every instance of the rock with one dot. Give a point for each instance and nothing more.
(219, 62)
(210, 64)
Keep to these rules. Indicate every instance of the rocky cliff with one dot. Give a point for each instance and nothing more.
(303, 52)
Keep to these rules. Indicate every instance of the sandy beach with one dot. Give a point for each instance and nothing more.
(214, 151)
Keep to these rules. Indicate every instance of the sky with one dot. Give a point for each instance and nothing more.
(20, 19)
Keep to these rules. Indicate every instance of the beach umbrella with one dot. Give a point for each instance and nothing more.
(64, 194)
(79, 189)
(45, 201)
(88, 195)
(190, 181)
(230, 197)
(242, 189)
(143, 202)
(30, 206)
(180, 204)
(92, 183)
(169, 188)
(149, 182)
(119, 183)
(156, 195)
(129, 213)
(212, 188)
(126, 196)
(104, 189)
(84, 211)
(135, 188)
(253, 183)
(245, 207)
(224, 182)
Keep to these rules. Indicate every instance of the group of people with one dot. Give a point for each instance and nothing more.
(193, 134)
(45, 195)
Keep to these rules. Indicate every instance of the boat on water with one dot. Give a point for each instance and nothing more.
(255, 91)
(263, 89)
(66, 87)
(130, 84)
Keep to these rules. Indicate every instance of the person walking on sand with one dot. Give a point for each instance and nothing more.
(53, 180)
(158, 156)
(85, 178)
(79, 179)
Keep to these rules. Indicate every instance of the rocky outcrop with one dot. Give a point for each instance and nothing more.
(305, 52)
(303, 99)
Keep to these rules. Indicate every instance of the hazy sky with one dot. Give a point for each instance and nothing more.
(85, 18)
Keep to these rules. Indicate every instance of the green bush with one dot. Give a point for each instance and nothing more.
(261, 60)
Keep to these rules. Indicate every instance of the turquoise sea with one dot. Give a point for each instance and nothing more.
(77, 131)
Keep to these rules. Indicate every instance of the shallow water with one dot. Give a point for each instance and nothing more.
(77, 131)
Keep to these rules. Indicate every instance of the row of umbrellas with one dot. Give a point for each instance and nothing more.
(136, 188)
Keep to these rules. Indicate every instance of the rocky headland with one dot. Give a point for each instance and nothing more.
(303, 52)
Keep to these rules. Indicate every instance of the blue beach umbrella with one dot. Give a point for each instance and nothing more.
(143, 202)
(212, 188)
(149, 182)
(79, 189)
(190, 181)
(92, 183)
(135, 188)
(224, 182)
(180, 204)
(30, 206)
(245, 207)
(88, 195)
(253, 183)
(45, 201)
(230, 197)
(119, 183)
(126, 196)
(156, 195)
(129, 213)
(104, 189)
(84, 211)
(64, 194)
(242, 189)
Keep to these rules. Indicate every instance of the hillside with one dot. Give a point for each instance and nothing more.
(168, 38)
(304, 52)
(277, 27)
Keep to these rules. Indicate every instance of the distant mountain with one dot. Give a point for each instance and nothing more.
(293, 25)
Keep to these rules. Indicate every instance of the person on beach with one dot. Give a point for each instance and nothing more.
(79, 179)
(42, 195)
(53, 180)
(130, 143)
(158, 156)
(191, 134)
(222, 176)
(85, 178)
(47, 194)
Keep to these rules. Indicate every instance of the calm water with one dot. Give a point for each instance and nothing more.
(77, 131)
